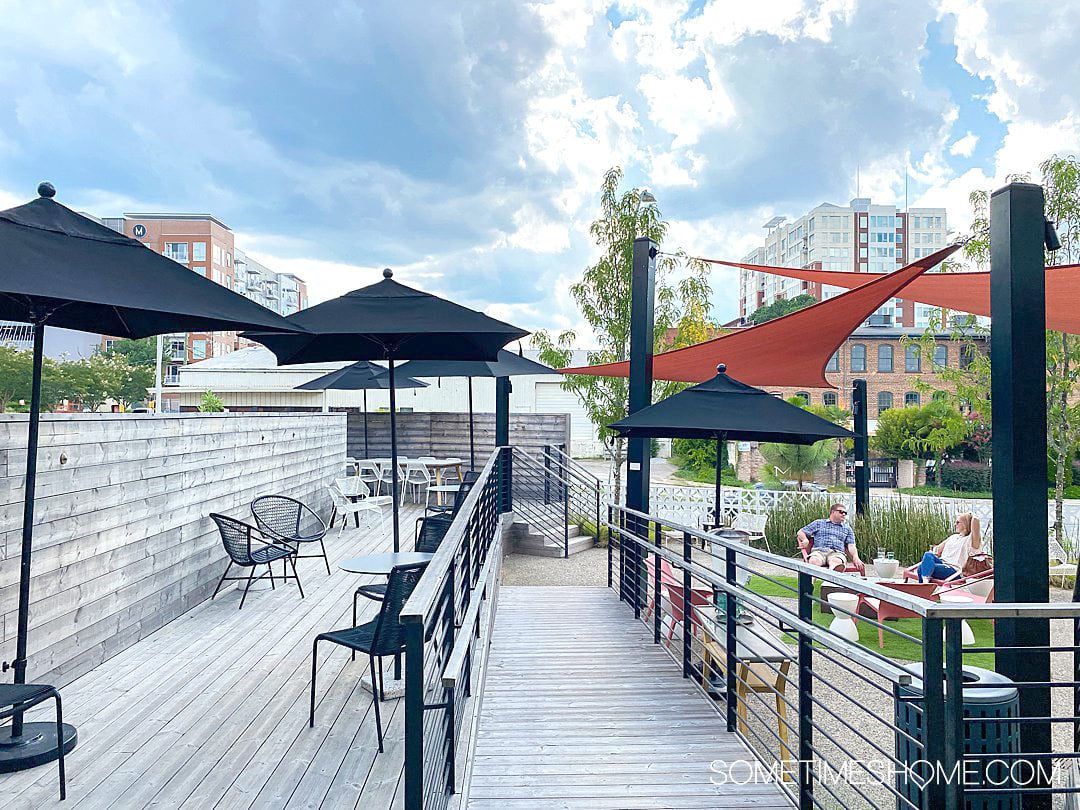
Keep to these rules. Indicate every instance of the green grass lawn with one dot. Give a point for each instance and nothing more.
(896, 647)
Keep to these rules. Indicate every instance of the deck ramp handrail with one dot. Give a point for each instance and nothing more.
(451, 610)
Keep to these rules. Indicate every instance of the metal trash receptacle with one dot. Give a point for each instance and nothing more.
(995, 697)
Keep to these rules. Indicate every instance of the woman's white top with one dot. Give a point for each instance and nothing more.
(953, 551)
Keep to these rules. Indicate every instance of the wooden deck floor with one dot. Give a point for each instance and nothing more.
(582, 710)
(211, 710)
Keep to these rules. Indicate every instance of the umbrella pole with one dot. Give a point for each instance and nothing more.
(26, 745)
(719, 478)
(367, 450)
(393, 457)
(472, 437)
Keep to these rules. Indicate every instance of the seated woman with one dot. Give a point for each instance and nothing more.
(947, 558)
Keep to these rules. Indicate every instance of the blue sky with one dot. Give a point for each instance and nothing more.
(462, 143)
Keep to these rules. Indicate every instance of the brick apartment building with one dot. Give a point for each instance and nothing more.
(206, 245)
(891, 369)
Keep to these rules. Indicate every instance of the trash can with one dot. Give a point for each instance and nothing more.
(996, 697)
(718, 562)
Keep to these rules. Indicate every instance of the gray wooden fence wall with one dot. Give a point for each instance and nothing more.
(447, 434)
(123, 543)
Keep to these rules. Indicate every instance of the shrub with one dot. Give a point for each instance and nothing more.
(904, 527)
(965, 476)
(211, 403)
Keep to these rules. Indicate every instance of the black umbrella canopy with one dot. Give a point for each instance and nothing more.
(63, 269)
(58, 268)
(389, 320)
(361, 376)
(508, 364)
(725, 407)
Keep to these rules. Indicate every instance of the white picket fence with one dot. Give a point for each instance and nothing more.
(689, 505)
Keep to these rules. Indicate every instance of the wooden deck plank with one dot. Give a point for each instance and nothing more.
(582, 710)
(211, 710)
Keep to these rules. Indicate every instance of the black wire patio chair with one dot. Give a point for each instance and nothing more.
(430, 535)
(19, 697)
(382, 636)
(282, 519)
(237, 538)
(450, 510)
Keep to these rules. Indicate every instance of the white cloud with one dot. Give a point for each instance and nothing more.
(964, 147)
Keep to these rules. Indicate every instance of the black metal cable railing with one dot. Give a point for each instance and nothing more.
(923, 721)
(447, 620)
(552, 495)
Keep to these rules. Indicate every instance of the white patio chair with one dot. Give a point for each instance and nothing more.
(416, 478)
(344, 507)
(351, 465)
(754, 525)
(368, 472)
(384, 475)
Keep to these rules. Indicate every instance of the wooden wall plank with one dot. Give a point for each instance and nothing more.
(123, 543)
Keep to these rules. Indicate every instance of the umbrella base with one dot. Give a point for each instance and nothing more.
(37, 746)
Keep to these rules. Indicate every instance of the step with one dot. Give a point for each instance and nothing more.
(537, 545)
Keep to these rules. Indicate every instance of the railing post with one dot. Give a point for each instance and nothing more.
(687, 670)
(730, 639)
(547, 478)
(622, 556)
(954, 712)
(566, 519)
(611, 534)
(806, 695)
(657, 602)
(414, 717)
(933, 714)
(598, 517)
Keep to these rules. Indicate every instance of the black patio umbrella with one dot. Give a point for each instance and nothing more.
(724, 408)
(508, 365)
(58, 268)
(361, 376)
(389, 321)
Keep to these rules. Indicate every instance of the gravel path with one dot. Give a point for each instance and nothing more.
(587, 567)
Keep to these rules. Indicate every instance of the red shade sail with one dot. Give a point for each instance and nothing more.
(789, 351)
(964, 292)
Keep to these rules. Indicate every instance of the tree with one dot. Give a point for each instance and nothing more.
(838, 416)
(603, 296)
(929, 431)
(1061, 181)
(778, 309)
(16, 368)
(800, 460)
(971, 385)
(211, 403)
(797, 460)
(142, 352)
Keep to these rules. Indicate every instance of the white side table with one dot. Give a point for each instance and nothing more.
(843, 624)
(967, 637)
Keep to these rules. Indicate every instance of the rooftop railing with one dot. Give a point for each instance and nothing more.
(928, 719)
(447, 622)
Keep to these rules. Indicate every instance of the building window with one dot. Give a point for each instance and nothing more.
(911, 398)
(217, 254)
(828, 398)
(967, 356)
(177, 251)
(912, 360)
(884, 401)
(885, 359)
(858, 358)
(176, 350)
(198, 251)
(804, 396)
(198, 350)
(941, 356)
(834, 362)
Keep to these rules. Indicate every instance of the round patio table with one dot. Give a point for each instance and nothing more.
(383, 563)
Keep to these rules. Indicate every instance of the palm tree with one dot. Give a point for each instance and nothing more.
(799, 460)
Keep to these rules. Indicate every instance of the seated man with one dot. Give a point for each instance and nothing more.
(830, 540)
